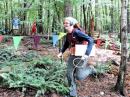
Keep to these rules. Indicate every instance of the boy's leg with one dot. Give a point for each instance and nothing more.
(70, 76)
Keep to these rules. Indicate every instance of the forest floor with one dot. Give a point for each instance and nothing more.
(101, 86)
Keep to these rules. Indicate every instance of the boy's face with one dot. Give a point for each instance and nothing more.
(67, 24)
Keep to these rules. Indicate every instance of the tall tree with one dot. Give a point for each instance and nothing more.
(6, 12)
(89, 13)
(92, 24)
(39, 23)
(96, 15)
(24, 17)
(112, 18)
(128, 16)
(121, 76)
(85, 18)
(68, 8)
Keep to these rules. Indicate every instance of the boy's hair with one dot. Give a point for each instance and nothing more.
(74, 23)
(77, 26)
(72, 20)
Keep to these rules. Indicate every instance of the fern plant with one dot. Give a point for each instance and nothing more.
(45, 75)
(102, 68)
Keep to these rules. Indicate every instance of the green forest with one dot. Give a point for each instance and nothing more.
(32, 69)
(106, 15)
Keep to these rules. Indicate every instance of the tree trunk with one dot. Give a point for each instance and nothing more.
(89, 17)
(68, 8)
(10, 18)
(85, 20)
(81, 17)
(48, 22)
(92, 24)
(6, 20)
(128, 17)
(112, 18)
(39, 23)
(96, 15)
(24, 18)
(121, 77)
(57, 11)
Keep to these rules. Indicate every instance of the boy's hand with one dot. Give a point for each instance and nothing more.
(84, 57)
(59, 55)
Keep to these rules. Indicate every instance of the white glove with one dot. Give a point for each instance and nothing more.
(59, 55)
(84, 57)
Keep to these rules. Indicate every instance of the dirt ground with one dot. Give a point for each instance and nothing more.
(90, 87)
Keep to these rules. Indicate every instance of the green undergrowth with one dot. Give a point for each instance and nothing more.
(104, 67)
(30, 70)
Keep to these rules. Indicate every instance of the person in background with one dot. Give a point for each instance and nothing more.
(15, 23)
(34, 28)
(75, 35)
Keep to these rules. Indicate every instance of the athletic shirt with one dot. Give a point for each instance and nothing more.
(77, 37)
(72, 40)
